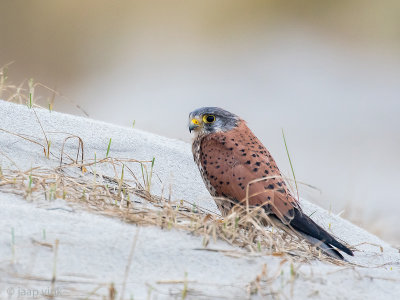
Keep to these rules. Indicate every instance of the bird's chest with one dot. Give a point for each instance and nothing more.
(197, 151)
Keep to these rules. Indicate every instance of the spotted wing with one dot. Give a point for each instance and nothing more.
(235, 160)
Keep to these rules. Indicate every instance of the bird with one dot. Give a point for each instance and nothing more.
(231, 159)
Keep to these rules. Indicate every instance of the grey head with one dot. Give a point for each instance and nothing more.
(207, 120)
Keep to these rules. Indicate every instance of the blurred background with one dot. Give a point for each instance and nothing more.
(327, 72)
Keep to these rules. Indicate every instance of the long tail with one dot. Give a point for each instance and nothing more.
(317, 235)
(328, 250)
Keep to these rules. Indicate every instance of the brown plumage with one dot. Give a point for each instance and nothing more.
(230, 158)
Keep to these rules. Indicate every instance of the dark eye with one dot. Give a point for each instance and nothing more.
(209, 118)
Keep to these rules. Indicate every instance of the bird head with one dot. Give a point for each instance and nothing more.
(207, 120)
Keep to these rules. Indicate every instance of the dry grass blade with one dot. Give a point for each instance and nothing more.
(129, 262)
(80, 148)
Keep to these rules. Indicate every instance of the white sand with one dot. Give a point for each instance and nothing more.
(94, 249)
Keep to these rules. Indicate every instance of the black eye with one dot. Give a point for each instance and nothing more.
(209, 118)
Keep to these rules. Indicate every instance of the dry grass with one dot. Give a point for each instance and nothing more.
(126, 196)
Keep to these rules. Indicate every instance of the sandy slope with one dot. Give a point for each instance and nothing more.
(93, 250)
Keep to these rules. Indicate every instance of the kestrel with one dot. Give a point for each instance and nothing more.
(230, 158)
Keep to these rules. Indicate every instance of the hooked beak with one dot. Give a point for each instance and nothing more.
(194, 123)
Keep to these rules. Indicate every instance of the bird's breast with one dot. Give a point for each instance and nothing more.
(196, 150)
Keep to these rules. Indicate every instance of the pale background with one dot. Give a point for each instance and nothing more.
(327, 72)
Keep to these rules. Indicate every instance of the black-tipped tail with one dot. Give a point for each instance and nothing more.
(317, 235)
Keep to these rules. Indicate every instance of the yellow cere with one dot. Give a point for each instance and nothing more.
(195, 121)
